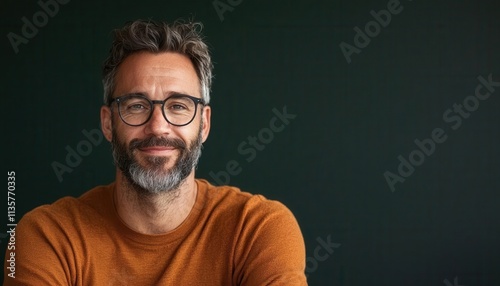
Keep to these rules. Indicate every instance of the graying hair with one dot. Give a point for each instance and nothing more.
(157, 37)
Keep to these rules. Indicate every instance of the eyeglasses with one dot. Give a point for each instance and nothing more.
(137, 109)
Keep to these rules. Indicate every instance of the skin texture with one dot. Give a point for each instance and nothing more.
(157, 76)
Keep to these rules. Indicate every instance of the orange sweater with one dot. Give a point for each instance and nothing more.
(229, 238)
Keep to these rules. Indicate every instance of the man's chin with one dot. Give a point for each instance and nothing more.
(155, 161)
(157, 166)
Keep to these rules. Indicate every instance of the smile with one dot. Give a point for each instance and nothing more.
(158, 150)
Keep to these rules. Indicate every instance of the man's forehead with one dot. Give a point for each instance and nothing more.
(159, 64)
(170, 71)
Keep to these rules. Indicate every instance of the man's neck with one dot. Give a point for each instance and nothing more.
(154, 214)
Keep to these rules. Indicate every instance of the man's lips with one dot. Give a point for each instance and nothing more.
(157, 149)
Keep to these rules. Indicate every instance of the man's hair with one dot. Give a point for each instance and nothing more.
(158, 37)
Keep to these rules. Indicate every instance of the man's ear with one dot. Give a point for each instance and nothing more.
(106, 122)
(205, 129)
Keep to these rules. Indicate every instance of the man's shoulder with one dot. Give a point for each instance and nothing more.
(234, 199)
(67, 208)
(261, 231)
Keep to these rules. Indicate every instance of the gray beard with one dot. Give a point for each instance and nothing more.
(153, 179)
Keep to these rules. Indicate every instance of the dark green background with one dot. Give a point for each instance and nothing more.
(353, 121)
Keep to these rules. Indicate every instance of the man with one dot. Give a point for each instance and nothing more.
(157, 224)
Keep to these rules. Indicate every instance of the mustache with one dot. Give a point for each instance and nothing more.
(157, 141)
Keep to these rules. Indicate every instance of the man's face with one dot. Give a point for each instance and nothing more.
(157, 156)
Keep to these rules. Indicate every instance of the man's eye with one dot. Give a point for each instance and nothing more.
(137, 107)
(177, 107)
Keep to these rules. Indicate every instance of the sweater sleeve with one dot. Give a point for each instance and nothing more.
(40, 257)
(270, 250)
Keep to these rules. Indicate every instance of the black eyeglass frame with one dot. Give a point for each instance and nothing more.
(196, 101)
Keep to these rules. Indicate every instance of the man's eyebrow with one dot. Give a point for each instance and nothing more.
(173, 93)
(133, 93)
(167, 94)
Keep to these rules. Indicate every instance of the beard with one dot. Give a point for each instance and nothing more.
(153, 178)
